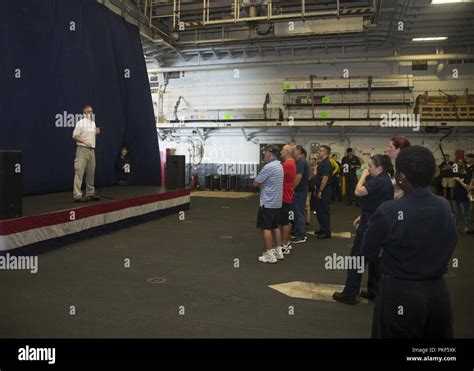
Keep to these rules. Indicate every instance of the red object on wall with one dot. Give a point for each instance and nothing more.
(163, 156)
(459, 155)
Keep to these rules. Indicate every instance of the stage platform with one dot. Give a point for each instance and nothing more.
(54, 220)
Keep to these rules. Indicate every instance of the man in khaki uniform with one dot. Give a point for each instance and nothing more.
(84, 134)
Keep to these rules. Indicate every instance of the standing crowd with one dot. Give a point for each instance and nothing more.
(405, 233)
(284, 189)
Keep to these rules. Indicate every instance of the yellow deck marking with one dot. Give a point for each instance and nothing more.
(309, 290)
(334, 234)
(341, 234)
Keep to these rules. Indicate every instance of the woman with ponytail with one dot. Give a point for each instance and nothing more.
(374, 187)
(395, 145)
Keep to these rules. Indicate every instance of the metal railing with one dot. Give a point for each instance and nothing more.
(235, 12)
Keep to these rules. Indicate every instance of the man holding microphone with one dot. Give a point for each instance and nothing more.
(85, 134)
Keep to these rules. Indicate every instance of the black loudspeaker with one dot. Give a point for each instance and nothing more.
(208, 181)
(175, 170)
(11, 184)
(232, 183)
(216, 183)
(224, 182)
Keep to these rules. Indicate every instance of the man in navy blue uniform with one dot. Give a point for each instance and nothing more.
(350, 164)
(323, 191)
(300, 195)
(411, 240)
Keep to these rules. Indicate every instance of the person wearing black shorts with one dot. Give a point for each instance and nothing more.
(268, 218)
(284, 217)
(270, 182)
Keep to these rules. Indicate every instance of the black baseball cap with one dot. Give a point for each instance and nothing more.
(274, 149)
(470, 155)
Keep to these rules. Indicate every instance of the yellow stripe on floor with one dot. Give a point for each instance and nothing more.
(221, 194)
(335, 234)
(341, 234)
(309, 290)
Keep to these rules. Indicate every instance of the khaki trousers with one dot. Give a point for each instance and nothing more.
(84, 162)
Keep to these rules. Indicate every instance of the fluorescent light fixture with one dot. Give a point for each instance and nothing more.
(437, 38)
(437, 2)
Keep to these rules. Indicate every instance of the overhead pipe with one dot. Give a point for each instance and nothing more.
(397, 58)
(372, 33)
(235, 10)
(311, 79)
(272, 17)
(378, 6)
(203, 11)
(298, 42)
(229, 41)
(150, 17)
(441, 64)
(319, 131)
(238, 11)
(174, 14)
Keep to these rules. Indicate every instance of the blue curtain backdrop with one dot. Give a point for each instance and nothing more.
(62, 70)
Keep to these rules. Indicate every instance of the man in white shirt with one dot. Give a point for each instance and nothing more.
(84, 134)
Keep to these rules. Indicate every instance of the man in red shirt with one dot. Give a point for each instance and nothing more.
(286, 212)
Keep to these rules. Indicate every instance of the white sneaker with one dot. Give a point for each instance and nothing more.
(287, 248)
(299, 240)
(279, 252)
(268, 257)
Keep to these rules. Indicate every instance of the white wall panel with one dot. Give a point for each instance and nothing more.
(220, 90)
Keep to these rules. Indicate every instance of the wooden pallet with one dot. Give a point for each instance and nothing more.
(446, 111)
